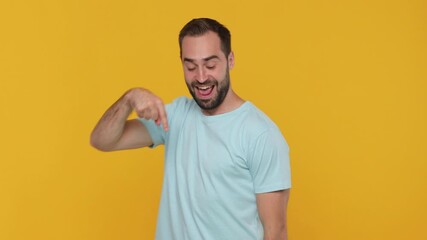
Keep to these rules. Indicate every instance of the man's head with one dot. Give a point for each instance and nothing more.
(200, 26)
(206, 57)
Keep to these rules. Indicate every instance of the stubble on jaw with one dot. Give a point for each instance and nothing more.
(221, 90)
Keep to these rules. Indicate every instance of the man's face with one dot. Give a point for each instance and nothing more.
(206, 69)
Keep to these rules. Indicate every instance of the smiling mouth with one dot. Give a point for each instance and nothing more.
(204, 92)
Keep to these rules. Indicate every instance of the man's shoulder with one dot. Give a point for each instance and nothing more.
(180, 108)
(254, 123)
(181, 104)
(257, 118)
(182, 100)
(258, 129)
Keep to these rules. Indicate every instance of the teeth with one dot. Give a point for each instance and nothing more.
(204, 88)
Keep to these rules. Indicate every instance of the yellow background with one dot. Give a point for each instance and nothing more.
(344, 80)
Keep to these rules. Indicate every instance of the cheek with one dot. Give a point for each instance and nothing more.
(187, 75)
(220, 73)
(188, 78)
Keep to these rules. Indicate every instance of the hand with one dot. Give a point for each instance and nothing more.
(148, 106)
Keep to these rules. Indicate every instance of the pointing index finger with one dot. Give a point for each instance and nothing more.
(163, 119)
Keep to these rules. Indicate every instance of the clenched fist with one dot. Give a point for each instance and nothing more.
(148, 106)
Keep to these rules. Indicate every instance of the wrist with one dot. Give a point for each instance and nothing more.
(127, 99)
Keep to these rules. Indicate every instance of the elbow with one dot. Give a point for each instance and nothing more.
(275, 233)
(99, 147)
(283, 232)
(96, 143)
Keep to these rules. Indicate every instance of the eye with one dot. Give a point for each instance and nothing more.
(190, 67)
(211, 67)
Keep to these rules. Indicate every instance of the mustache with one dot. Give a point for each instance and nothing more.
(208, 82)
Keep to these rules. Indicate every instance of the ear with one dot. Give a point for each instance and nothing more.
(231, 60)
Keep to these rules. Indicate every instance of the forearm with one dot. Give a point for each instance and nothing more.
(111, 125)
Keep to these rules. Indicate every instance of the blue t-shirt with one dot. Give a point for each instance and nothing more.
(214, 167)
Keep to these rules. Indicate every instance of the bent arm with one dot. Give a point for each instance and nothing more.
(115, 132)
(272, 208)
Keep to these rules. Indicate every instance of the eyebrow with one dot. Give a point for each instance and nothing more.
(204, 59)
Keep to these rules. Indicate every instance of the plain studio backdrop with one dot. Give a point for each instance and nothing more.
(345, 81)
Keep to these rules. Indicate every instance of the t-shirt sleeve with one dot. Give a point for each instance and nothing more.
(157, 133)
(269, 162)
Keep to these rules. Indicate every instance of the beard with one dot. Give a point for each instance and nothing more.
(221, 91)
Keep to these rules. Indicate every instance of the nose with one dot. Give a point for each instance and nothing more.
(201, 75)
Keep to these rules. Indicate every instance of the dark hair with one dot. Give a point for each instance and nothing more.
(200, 26)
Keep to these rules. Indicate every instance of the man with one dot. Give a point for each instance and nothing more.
(227, 172)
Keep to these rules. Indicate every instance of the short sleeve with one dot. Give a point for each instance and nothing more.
(269, 162)
(157, 133)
